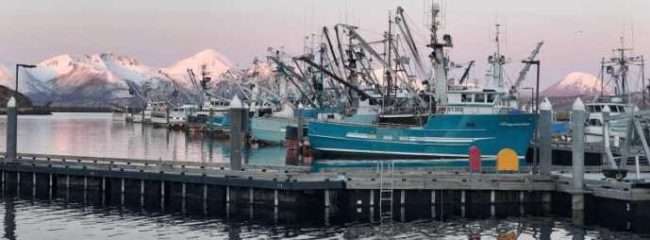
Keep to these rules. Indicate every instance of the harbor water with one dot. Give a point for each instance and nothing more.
(76, 216)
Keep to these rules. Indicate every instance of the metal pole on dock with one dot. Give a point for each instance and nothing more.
(12, 130)
(545, 137)
(237, 112)
(578, 116)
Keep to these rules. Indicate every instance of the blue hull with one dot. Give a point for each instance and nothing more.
(270, 130)
(443, 136)
(218, 123)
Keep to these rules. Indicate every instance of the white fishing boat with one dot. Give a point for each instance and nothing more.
(617, 68)
(158, 112)
(179, 116)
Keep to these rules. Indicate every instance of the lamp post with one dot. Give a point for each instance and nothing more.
(18, 66)
(12, 120)
(536, 63)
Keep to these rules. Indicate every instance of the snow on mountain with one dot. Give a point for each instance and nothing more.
(212, 62)
(4, 74)
(576, 84)
(100, 79)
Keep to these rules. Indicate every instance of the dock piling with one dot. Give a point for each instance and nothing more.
(12, 130)
(300, 133)
(142, 193)
(545, 137)
(578, 116)
(238, 113)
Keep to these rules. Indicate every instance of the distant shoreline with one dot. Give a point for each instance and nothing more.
(50, 110)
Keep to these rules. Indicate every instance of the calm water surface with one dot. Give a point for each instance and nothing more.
(98, 135)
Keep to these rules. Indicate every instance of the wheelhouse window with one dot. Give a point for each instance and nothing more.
(479, 98)
(613, 108)
(465, 97)
(595, 122)
(490, 98)
(595, 108)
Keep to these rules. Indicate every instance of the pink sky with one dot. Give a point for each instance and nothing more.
(159, 32)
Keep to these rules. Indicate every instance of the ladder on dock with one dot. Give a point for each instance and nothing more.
(386, 171)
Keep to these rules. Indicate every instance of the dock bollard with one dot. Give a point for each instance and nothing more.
(238, 114)
(545, 128)
(578, 115)
(12, 130)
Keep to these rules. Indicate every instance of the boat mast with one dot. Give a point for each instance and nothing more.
(388, 68)
(618, 67)
(438, 59)
(497, 61)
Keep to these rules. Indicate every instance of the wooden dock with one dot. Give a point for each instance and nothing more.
(165, 183)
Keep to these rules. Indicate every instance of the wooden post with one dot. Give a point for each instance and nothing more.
(12, 130)
(327, 198)
(237, 116)
(50, 190)
(300, 133)
(545, 129)
(122, 191)
(18, 183)
(33, 184)
(578, 116)
(183, 196)
(251, 196)
(227, 194)
(433, 197)
(276, 201)
(142, 193)
(85, 188)
(205, 199)
(162, 195)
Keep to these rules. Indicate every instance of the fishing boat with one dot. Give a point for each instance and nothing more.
(442, 136)
(159, 113)
(179, 117)
(460, 117)
(617, 68)
(272, 129)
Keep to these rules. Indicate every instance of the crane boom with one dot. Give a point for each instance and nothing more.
(526, 68)
(364, 44)
(406, 33)
(336, 78)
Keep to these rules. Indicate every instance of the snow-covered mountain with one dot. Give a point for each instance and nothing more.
(102, 79)
(209, 61)
(5, 76)
(576, 84)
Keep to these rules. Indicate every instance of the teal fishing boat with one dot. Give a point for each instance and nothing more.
(442, 136)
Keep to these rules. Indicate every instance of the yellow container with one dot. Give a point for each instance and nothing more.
(507, 160)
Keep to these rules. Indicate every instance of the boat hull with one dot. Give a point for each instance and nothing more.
(444, 136)
(271, 130)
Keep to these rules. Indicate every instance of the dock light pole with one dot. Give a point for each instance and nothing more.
(536, 63)
(12, 119)
(18, 66)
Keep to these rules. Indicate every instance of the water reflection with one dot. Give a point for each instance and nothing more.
(96, 134)
(69, 219)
